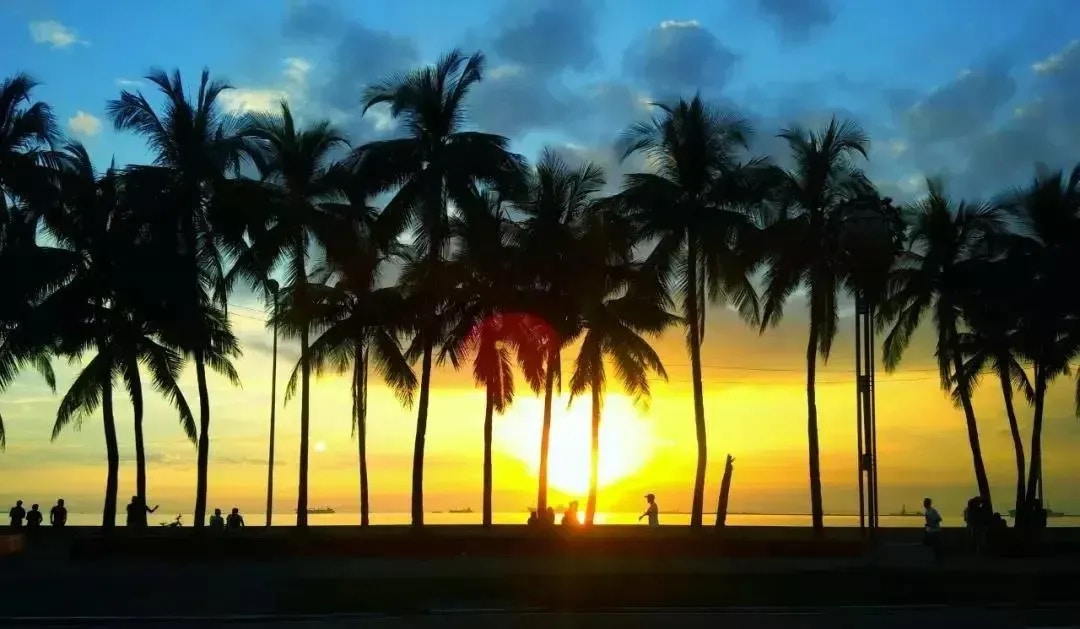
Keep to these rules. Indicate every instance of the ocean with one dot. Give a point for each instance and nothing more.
(443, 519)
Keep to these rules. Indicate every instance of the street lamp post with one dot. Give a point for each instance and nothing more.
(868, 240)
(274, 287)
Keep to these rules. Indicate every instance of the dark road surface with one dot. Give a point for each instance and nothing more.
(877, 617)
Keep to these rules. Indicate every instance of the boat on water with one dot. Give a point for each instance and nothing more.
(1050, 513)
(465, 510)
(319, 510)
(904, 513)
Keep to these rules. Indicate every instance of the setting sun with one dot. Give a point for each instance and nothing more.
(626, 443)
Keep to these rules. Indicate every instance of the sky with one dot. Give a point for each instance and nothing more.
(975, 91)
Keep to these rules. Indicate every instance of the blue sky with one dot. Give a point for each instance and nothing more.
(574, 72)
(977, 90)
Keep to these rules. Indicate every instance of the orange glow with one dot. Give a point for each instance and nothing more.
(626, 443)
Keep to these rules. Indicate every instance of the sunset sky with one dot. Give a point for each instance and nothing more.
(977, 90)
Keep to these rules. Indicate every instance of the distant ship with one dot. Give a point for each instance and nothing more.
(1050, 513)
(904, 513)
(319, 510)
(465, 510)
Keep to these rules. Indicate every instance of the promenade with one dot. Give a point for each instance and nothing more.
(598, 574)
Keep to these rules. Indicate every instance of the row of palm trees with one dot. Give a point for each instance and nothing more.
(478, 256)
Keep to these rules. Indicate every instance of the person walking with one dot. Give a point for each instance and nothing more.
(932, 537)
(652, 512)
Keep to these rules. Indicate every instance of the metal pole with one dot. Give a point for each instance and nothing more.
(859, 414)
(872, 357)
(273, 409)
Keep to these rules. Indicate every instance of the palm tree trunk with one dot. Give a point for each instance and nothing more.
(305, 429)
(203, 462)
(692, 314)
(140, 447)
(554, 358)
(421, 432)
(360, 401)
(817, 511)
(1014, 431)
(1035, 474)
(489, 413)
(273, 423)
(112, 454)
(594, 451)
(972, 426)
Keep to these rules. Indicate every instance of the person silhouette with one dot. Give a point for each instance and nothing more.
(533, 518)
(34, 518)
(217, 523)
(136, 512)
(570, 517)
(235, 520)
(549, 516)
(17, 514)
(652, 511)
(58, 514)
(932, 537)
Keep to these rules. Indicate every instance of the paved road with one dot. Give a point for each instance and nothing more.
(876, 617)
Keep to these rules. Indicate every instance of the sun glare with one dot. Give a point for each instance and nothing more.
(626, 442)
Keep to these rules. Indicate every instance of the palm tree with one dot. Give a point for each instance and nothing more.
(436, 163)
(943, 237)
(28, 131)
(294, 165)
(803, 250)
(130, 328)
(194, 147)
(991, 310)
(487, 327)
(558, 198)
(358, 324)
(1049, 334)
(693, 212)
(618, 302)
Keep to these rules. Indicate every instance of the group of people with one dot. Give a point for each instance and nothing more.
(34, 517)
(137, 510)
(572, 516)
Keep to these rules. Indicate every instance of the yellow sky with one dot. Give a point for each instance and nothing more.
(755, 408)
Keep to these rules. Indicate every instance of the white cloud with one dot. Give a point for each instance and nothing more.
(380, 118)
(84, 124)
(129, 82)
(1056, 61)
(293, 88)
(242, 101)
(680, 24)
(54, 33)
(296, 70)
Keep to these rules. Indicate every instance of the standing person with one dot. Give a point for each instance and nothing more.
(652, 511)
(17, 514)
(933, 528)
(34, 518)
(136, 513)
(58, 514)
(235, 520)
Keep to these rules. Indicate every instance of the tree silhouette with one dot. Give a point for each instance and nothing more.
(436, 162)
(695, 209)
(943, 237)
